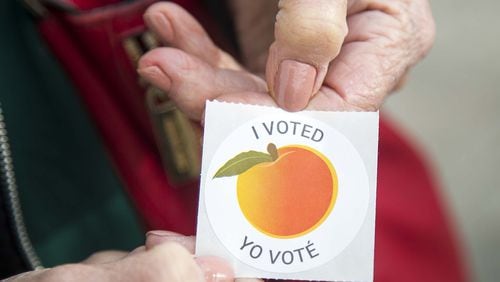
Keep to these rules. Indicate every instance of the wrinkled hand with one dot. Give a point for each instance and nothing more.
(166, 256)
(326, 54)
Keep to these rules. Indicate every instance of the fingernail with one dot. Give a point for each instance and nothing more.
(215, 269)
(150, 72)
(160, 25)
(156, 76)
(157, 237)
(162, 233)
(294, 83)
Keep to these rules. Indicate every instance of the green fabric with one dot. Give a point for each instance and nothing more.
(72, 200)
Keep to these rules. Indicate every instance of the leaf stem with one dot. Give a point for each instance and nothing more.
(273, 151)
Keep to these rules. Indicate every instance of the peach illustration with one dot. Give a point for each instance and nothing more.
(286, 193)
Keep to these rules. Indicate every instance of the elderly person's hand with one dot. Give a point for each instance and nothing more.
(326, 54)
(166, 256)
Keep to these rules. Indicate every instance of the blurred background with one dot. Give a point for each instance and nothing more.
(451, 105)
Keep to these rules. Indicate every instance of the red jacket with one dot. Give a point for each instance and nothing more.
(414, 238)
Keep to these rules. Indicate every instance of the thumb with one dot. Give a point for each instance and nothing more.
(308, 36)
(157, 237)
(213, 268)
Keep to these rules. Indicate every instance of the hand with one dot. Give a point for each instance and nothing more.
(166, 256)
(314, 62)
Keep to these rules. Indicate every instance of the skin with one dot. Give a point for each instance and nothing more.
(333, 55)
(165, 256)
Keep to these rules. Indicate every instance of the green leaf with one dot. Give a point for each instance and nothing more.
(242, 162)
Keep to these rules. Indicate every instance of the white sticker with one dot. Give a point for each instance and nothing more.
(289, 195)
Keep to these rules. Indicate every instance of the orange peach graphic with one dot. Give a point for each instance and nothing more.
(286, 193)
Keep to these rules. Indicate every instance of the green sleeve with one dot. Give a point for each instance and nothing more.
(73, 201)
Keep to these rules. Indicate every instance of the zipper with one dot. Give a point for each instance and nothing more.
(13, 204)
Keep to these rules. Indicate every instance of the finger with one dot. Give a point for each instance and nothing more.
(139, 249)
(105, 257)
(168, 261)
(178, 264)
(215, 269)
(189, 81)
(177, 28)
(375, 58)
(33, 275)
(156, 237)
(307, 38)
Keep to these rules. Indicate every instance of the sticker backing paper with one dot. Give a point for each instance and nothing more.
(289, 195)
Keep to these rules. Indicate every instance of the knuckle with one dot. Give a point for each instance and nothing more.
(171, 60)
(418, 25)
(307, 28)
(408, 32)
(310, 27)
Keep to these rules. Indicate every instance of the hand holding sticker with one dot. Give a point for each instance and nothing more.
(384, 40)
